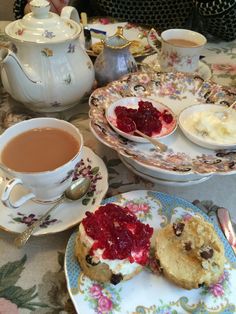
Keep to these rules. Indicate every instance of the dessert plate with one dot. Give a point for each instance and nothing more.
(152, 62)
(178, 91)
(149, 292)
(132, 103)
(69, 213)
(135, 33)
(132, 167)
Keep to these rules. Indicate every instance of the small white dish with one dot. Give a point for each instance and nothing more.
(132, 103)
(69, 213)
(203, 70)
(195, 122)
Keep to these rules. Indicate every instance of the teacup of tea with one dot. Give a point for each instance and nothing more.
(180, 49)
(40, 154)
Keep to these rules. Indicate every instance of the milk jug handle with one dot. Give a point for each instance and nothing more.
(152, 39)
(9, 187)
(70, 13)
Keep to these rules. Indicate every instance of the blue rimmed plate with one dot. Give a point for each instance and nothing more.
(147, 292)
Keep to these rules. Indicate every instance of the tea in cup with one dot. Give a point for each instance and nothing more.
(180, 49)
(40, 154)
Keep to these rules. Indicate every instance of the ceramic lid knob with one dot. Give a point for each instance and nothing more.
(40, 8)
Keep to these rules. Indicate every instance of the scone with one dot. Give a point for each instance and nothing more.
(112, 244)
(190, 253)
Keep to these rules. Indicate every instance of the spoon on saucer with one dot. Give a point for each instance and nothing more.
(75, 191)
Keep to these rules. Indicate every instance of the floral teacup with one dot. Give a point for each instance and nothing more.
(44, 186)
(180, 49)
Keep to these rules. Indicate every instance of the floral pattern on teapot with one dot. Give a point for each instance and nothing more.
(20, 32)
(71, 48)
(47, 52)
(48, 34)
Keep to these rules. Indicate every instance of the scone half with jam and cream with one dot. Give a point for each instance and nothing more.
(112, 244)
(190, 253)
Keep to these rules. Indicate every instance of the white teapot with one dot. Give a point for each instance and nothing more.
(47, 69)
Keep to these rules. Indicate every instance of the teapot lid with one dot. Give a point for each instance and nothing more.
(42, 26)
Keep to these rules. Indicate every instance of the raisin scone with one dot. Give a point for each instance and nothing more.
(112, 244)
(190, 253)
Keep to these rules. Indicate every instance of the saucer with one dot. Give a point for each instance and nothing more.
(161, 181)
(69, 213)
(203, 69)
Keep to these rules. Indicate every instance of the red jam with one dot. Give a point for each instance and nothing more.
(118, 231)
(146, 118)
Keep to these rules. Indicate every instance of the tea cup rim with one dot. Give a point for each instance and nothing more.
(186, 31)
(40, 173)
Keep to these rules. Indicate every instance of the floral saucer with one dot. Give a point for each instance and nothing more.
(177, 91)
(150, 292)
(151, 61)
(69, 213)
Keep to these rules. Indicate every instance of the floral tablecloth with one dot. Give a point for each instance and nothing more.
(32, 279)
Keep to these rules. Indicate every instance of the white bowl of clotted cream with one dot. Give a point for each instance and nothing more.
(206, 125)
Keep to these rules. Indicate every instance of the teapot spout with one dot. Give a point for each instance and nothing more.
(20, 82)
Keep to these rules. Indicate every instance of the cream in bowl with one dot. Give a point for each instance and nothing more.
(40, 154)
(206, 125)
(147, 116)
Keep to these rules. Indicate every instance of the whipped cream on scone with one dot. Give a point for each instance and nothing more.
(112, 244)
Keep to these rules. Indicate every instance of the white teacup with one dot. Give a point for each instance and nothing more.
(44, 186)
(180, 49)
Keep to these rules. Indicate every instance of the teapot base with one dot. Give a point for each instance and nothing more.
(50, 108)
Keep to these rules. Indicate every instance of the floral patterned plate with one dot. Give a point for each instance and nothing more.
(130, 31)
(177, 91)
(150, 293)
(69, 213)
(203, 70)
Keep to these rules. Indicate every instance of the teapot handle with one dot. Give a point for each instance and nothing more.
(153, 38)
(69, 12)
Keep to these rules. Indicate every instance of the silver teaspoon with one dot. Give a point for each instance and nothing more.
(76, 190)
(159, 146)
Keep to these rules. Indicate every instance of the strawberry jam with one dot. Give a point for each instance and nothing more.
(146, 118)
(118, 232)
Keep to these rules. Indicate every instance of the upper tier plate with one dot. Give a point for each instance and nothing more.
(177, 91)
